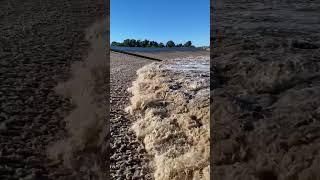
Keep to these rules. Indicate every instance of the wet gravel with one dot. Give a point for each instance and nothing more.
(39, 40)
(128, 158)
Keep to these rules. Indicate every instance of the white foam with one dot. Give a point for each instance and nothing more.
(171, 101)
(191, 64)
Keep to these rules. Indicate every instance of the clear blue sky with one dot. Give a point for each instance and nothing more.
(161, 20)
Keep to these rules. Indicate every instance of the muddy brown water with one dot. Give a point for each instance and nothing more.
(265, 90)
(83, 150)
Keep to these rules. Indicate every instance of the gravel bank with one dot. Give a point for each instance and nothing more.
(127, 157)
(39, 41)
(266, 90)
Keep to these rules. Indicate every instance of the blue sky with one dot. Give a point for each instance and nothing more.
(161, 20)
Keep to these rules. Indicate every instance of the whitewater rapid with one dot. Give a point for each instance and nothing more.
(171, 102)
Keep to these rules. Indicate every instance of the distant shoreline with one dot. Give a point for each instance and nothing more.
(151, 49)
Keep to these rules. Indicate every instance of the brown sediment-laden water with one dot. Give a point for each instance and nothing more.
(83, 150)
(265, 113)
(170, 101)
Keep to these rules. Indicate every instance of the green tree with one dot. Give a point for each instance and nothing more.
(170, 44)
(132, 43)
(145, 43)
(188, 44)
(139, 44)
(161, 45)
(154, 44)
(151, 43)
(114, 43)
(126, 42)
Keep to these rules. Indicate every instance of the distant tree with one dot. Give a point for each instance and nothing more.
(145, 43)
(151, 43)
(132, 43)
(170, 44)
(161, 45)
(188, 44)
(126, 42)
(154, 44)
(139, 44)
(114, 43)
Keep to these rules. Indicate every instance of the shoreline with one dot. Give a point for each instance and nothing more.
(152, 49)
(174, 54)
(123, 73)
(127, 154)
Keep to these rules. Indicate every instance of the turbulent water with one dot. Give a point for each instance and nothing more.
(171, 102)
(81, 150)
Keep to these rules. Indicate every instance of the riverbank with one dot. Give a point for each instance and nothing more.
(152, 49)
(174, 54)
(127, 155)
(129, 158)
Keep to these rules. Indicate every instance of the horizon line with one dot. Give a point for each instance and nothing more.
(178, 42)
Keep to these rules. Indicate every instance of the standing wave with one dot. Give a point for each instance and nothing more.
(171, 102)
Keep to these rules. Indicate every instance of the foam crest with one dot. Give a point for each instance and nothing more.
(171, 101)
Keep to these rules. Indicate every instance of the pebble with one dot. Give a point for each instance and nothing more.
(127, 153)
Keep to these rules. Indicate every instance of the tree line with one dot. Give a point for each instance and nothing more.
(147, 43)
